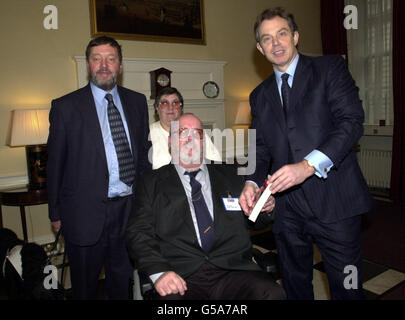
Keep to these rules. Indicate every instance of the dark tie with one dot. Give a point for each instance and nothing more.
(204, 220)
(125, 159)
(285, 93)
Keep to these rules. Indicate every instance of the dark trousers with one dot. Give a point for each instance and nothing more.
(213, 283)
(110, 251)
(339, 244)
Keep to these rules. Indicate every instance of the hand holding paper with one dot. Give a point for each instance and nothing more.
(266, 193)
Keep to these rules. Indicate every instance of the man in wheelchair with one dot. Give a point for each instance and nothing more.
(187, 232)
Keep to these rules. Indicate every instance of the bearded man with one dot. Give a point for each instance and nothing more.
(97, 145)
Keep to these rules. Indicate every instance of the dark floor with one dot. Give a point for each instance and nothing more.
(380, 281)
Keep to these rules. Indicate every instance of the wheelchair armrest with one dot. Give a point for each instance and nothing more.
(145, 282)
(266, 261)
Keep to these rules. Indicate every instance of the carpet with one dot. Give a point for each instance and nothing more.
(383, 235)
(395, 293)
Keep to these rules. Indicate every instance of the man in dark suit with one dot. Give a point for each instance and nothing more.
(308, 117)
(188, 234)
(98, 143)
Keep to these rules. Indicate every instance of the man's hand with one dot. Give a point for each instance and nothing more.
(290, 175)
(56, 226)
(248, 197)
(269, 205)
(170, 283)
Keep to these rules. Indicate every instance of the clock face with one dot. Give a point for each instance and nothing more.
(211, 89)
(163, 80)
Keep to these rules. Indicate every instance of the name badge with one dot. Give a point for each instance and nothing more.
(231, 204)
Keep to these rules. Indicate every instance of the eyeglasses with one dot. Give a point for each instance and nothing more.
(184, 133)
(176, 104)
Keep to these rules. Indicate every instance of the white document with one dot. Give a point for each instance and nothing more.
(259, 204)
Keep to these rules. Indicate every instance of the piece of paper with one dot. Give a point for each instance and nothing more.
(260, 203)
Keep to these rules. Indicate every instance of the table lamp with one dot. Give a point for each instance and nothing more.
(30, 128)
(242, 122)
(243, 116)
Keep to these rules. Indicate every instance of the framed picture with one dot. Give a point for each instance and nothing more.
(149, 20)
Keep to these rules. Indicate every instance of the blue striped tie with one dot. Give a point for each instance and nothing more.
(124, 155)
(204, 220)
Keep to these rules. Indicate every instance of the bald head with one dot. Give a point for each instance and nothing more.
(189, 120)
(186, 141)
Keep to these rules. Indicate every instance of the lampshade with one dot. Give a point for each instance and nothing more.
(29, 127)
(243, 115)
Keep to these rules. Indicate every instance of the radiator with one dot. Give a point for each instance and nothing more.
(376, 167)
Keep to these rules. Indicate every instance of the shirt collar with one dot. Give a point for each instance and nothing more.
(99, 94)
(290, 70)
(181, 170)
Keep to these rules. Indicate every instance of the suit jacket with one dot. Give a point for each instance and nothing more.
(160, 232)
(78, 176)
(325, 113)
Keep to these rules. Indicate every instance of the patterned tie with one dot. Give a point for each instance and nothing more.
(285, 92)
(204, 220)
(125, 159)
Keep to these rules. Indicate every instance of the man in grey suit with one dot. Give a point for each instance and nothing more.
(187, 231)
(308, 117)
(98, 143)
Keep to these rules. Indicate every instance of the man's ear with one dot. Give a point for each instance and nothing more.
(296, 37)
(259, 47)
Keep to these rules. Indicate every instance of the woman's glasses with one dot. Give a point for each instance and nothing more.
(176, 104)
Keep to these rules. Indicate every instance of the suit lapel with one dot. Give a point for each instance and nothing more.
(177, 199)
(273, 105)
(302, 78)
(218, 191)
(87, 108)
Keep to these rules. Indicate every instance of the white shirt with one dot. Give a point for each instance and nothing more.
(116, 187)
(203, 178)
(160, 145)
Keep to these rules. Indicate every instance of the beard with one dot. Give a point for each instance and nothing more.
(190, 153)
(106, 85)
